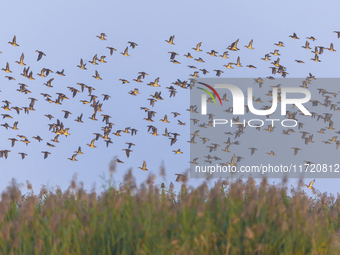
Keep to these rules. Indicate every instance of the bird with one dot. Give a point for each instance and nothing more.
(9, 78)
(165, 120)
(13, 140)
(175, 114)
(316, 50)
(316, 58)
(194, 161)
(310, 185)
(224, 55)
(102, 59)
(180, 177)
(233, 46)
(101, 36)
(73, 158)
(154, 132)
(232, 161)
(46, 153)
(40, 54)
(117, 133)
(212, 53)
(67, 113)
(6, 69)
(133, 44)
(171, 40)
(79, 151)
(125, 53)
(275, 53)
(15, 125)
(127, 151)
(252, 150)
(42, 73)
(111, 49)
(279, 44)
(96, 76)
(4, 153)
(91, 145)
(295, 150)
(61, 73)
(188, 55)
(108, 142)
(175, 61)
(144, 166)
(229, 65)
(199, 60)
(266, 57)
(106, 97)
(130, 144)
(331, 48)
(271, 153)
(124, 81)
(172, 55)
(143, 74)
(14, 41)
(218, 72)
(82, 65)
(181, 123)
(178, 151)
(37, 138)
(197, 48)
(48, 83)
(226, 149)
(204, 71)
(139, 78)
(311, 38)
(21, 62)
(94, 60)
(23, 155)
(306, 46)
(249, 46)
(6, 116)
(294, 36)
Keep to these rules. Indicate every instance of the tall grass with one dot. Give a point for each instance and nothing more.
(228, 218)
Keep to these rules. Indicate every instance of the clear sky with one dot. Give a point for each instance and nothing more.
(66, 32)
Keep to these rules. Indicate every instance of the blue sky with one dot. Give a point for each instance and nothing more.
(66, 32)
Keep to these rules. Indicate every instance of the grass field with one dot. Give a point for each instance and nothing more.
(228, 218)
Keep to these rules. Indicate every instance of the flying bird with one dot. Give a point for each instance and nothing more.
(144, 166)
(310, 185)
(40, 54)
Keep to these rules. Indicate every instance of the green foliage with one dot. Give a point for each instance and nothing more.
(228, 218)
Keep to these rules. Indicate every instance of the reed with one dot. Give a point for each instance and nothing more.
(239, 217)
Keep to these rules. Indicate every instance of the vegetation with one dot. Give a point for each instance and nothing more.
(228, 218)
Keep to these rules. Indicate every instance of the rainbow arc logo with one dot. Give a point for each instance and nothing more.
(209, 93)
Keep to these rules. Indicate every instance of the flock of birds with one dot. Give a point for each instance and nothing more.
(328, 102)
(96, 102)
